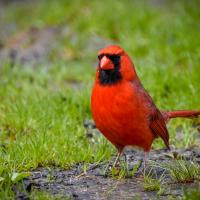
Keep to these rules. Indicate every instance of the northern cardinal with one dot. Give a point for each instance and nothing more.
(122, 109)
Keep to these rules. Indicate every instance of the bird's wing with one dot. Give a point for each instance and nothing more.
(156, 121)
(158, 126)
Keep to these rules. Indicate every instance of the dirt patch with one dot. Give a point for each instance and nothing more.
(40, 45)
(30, 46)
(95, 184)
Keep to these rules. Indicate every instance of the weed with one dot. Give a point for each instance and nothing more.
(191, 194)
(122, 171)
(152, 182)
(183, 171)
(39, 195)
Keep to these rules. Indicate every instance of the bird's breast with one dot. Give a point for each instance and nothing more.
(118, 113)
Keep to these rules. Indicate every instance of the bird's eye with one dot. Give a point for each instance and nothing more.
(113, 57)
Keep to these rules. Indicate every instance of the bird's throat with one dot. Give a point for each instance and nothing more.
(109, 77)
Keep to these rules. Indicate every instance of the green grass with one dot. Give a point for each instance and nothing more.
(46, 196)
(191, 194)
(41, 126)
(183, 171)
(42, 108)
(180, 171)
(153, 182)
(122, 171)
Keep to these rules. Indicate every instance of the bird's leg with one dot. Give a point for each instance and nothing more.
(117, 159)
(145, 160)
(119, 149)
(125, 158)
(119, 152)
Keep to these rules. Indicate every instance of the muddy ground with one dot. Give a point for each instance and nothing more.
(96, 184)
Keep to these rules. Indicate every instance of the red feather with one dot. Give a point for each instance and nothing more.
(122, 109)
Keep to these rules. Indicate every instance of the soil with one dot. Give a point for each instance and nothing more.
(36, 46)
(96, 184)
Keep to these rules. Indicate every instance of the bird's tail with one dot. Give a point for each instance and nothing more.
(180, 113)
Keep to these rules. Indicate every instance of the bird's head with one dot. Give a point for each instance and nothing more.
(114, 66)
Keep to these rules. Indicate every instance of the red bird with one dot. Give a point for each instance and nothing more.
(122, 109)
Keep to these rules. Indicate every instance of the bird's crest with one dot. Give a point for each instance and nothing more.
(111, 50)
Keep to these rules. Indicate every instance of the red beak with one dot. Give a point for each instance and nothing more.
(106, 63)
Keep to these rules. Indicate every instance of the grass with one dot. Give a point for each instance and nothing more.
(191, 194)
(153, 182)
(124, 171)
(180, 171)
(183, 171)
(46, 196)
(35, 131)
(42, 108)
